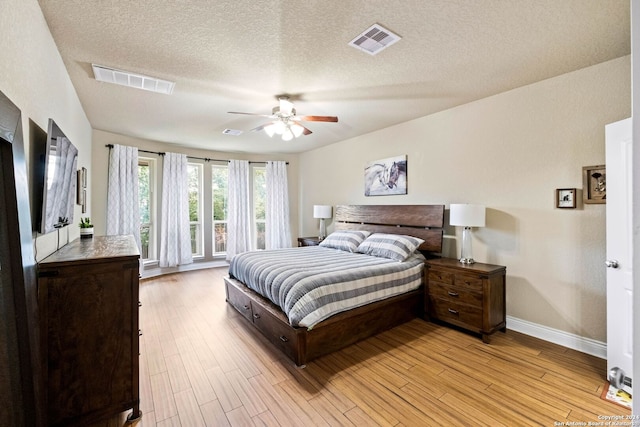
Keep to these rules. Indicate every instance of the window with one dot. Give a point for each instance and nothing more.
(146, 193)
(259, 201)
(219, 197)
(208, 208)
(194, 172)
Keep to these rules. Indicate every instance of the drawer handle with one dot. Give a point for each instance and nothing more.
(452, 311)
(139, 304)
(256, 316)
(453, 294)
(139, 332)
(246, 307)
(283, 338)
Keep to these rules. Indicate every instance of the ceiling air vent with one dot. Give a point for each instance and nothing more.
(138, 81)
(233, 132)
(374, 39)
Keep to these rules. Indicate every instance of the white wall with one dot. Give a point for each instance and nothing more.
(509, 152)
(34, 77)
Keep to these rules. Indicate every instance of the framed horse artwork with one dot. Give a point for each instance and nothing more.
(386, 177)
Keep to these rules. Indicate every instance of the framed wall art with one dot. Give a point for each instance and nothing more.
(386, 177)
(566, 198)
(594, 181)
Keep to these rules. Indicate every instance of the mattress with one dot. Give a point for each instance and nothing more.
(312, 283)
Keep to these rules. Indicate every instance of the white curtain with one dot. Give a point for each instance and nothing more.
(123, 216)
(175, 230)
(239, 215)
(278, 232)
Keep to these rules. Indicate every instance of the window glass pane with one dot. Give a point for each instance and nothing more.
(144, 193)
(194, 192)
(145, 207)
(260, 237)
(219, 179)
(259, 192)
(194, 174)
(195, 234)
(219, 197)
(259, 201)
(144, 240)
(220, 237)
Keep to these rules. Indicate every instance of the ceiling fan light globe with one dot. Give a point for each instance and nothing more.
(296, 129)
(287, 135)
(270, 130)
(279, 127)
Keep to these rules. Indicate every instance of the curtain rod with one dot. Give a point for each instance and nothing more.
(110, 146)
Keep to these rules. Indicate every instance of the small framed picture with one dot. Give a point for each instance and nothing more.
(84, 177)
(566, 198)
(79, 188)
(594, 181)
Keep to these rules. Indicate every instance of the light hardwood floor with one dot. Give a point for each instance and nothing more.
(202, 365)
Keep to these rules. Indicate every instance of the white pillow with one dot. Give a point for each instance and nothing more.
(392, 246)
(347, 240)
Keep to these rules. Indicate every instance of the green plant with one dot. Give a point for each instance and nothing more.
(85, 223)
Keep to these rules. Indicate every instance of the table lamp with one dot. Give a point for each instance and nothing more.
(467, 216)
(322, 212)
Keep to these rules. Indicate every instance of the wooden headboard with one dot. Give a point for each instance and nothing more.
(423, 221)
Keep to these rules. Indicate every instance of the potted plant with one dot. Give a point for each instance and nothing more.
(86, 228)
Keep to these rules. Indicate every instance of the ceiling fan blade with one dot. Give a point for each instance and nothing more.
(317, 118)
(251, 114)
(305, 130)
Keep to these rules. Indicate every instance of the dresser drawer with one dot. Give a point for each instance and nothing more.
(454, 293)
(468, 282)
(459, 314)
(240, 301)
(441, 276)
(275, 331)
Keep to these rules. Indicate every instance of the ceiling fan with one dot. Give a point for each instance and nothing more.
(285, 122)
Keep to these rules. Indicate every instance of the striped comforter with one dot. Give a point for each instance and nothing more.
(312, 283)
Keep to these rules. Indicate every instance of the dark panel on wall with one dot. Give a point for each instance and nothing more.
(37, 153)
(20, 374)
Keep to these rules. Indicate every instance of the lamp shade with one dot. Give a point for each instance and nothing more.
(322, 211)
(467, 215)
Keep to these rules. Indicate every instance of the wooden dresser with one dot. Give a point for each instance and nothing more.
(471, 296)
(88, 307)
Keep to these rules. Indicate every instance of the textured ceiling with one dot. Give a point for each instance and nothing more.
(238, 55)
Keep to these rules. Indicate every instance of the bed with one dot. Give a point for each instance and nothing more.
(304, 334)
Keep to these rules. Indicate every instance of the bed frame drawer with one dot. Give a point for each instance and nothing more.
(340, 330)
(279, 334)
(240, 301)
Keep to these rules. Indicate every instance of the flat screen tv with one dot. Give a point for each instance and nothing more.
(59, 195)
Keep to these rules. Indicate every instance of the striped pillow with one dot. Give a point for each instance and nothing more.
(393, 246)
(345, 240)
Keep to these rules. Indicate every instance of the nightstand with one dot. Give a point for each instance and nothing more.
(308, 241)
(470, 296)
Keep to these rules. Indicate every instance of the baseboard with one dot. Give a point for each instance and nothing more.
(154, 271)
(575, 342)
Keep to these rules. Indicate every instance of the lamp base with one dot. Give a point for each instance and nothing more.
(323, 230)
(465, 256)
